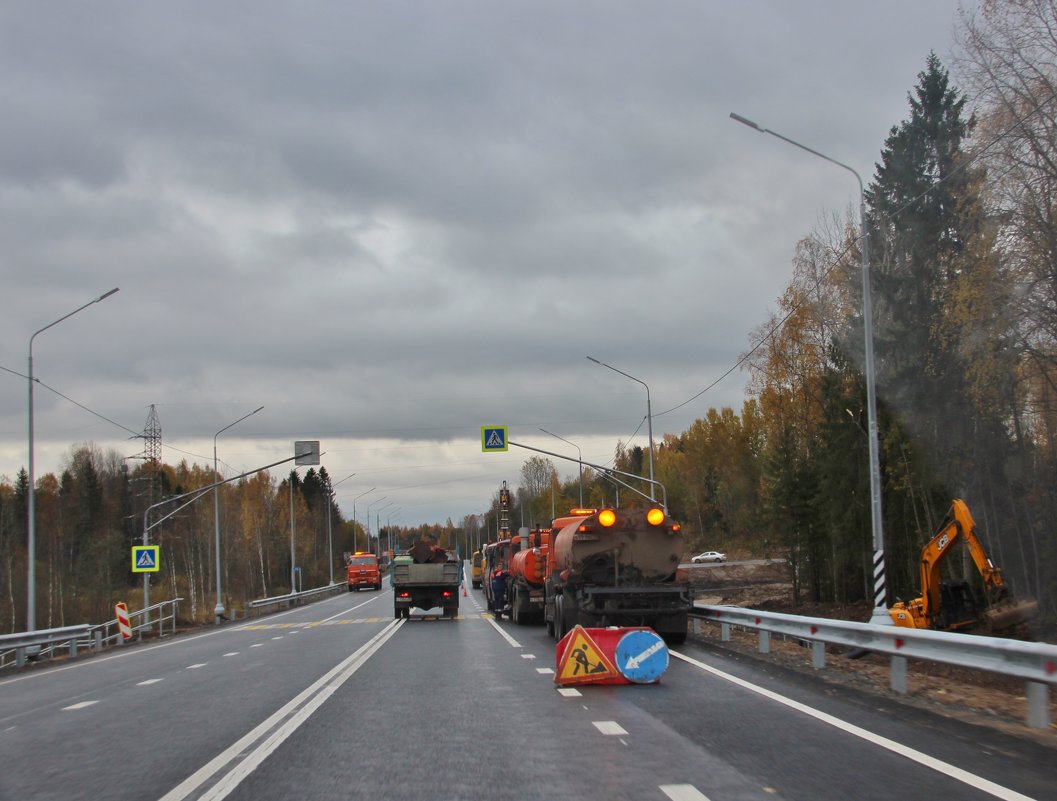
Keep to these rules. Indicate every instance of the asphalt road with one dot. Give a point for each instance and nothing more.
(339, 700)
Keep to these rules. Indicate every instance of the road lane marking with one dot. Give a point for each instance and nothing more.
(284, 718)
(569, 692)
(528, 656)
(146, 649)
(80, 705)
(545, 671)
(609, 727)
(257, 645)
(148, 681)
(683, 792)
(351, 609)
(197, 665)
(232, 653)
(513, 643)
(947, 769)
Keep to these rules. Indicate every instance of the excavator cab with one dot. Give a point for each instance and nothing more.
(958, 607)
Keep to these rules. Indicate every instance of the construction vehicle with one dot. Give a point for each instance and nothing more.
(528, 570)
(362, 570)
(617, 567)
(476, 569)
(950, 605)
(425, 576)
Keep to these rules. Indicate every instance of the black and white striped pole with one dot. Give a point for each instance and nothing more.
(880, 613)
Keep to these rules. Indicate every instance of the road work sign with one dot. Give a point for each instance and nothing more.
(582, 661)
(145, 559)
(494, 439)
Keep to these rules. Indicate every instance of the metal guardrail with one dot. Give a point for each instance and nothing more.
(295, 598)
(16, 648)
(1035, 663)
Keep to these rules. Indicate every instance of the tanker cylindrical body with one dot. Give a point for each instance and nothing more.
(618, 567)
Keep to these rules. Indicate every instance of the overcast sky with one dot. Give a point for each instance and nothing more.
(393, 223)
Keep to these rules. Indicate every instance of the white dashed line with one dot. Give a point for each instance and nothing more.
(197, 665)
(545, 670)
(81, 705)
(609, 727)
(528, 656)
(569, 692)
(257, 645)
(232, 653)
(683, 792)
(148, 681)
(278, 638)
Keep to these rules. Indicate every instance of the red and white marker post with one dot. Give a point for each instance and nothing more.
(123, 624)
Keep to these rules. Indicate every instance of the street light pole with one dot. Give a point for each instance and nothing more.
(880, 611)
(580, 458)
(367, 531)
(330, 539)
(31, 517)
(649, 414)
(218, 610)
(372, 489)
(293, 560)
(378, 523)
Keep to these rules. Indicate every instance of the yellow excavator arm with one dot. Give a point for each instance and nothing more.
(928, 611)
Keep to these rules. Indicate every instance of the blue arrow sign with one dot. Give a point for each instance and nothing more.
(641, 656)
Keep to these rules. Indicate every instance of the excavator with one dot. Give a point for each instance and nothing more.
(950, 605)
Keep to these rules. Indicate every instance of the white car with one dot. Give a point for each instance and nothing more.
(709, 556)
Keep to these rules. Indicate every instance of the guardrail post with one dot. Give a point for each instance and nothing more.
(818, 654)
(898, 678)
(724, 632)
(765, 642)
(97, 638)
(1038, 695)
(20, 657)
(73, 647)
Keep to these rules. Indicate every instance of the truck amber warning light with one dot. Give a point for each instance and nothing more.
(655, 516)
(607, 517)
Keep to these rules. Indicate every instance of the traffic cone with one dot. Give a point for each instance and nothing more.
(464, 593)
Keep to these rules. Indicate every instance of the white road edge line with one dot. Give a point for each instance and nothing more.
(954, 772)
(185, 788)
(352, 608)
(513, 643)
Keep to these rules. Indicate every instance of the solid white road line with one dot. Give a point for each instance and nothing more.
(964, 776)
(513, 643)
(318, 688)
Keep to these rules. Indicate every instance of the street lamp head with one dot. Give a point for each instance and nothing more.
(746, 121)
(107, 294)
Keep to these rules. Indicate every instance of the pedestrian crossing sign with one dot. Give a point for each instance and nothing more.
(493, 439)
(145, 559)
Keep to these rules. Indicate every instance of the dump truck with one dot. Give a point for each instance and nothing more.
(950, 605)
(617, 567)
(424, 577)
(362, 570)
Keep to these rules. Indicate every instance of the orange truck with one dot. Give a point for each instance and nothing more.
(363, 571)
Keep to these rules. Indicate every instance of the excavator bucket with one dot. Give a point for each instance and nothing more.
(1007, 615)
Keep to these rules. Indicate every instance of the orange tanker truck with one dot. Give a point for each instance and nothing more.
(528, 571)
(616, 567)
